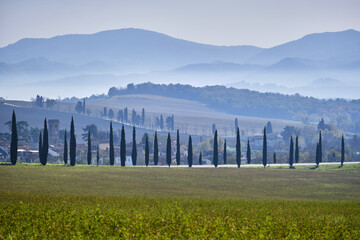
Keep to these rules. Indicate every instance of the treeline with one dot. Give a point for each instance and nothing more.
(251, 103)
(44, 148)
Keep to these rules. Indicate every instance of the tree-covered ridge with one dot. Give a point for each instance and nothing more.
(252, 103)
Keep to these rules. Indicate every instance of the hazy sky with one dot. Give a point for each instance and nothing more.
(263, 23)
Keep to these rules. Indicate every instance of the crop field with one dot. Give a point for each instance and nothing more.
(92, 202)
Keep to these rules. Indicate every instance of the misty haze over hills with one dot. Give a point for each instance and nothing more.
(325, 65)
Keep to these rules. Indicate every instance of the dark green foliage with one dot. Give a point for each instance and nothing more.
(215, 151)
(177, 147)
(111, 114)
(269, 129)
(342, 150)
(134, 148)
(274, 158)
(89, 150)
(170, 123)
(79, 107)
(105, 112)
(40, 146)
(200, 159)
(291, 152)
(72, 143)
(120, 116)
(39, 101)
(45, 144)
(190, 152)
(321, 125)
(297, 149)
(14, 140)
(248, 153)
(213, 128)
(111, 145)
(143, 117)
(147, 150)
(156, 149)
(123, 147)
(92, 128)
(97, 156)
(65, 149)
(264, 151)
(161, 122)
(238, 148)
(82, 106)
(320, 147)
(168, 150)
(317, 156)
(225, 153)
(126, 117)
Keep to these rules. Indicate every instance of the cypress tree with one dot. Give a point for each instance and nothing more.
(123, 147)
(143, 117)
(264, 159)
(168, 150)
(97, 156)
(89, 150)
(291, 153)
(190, 152)
(156, 149)
(112, 153)
(342, 150)
(248, 153)
(215, 152)
(40, 147)
(297, 150)
(200, 159)
(274, 158)
(177, 147)
(147, 150)
(225, 153)
(72, 143)
(238, 148)
(14, 140)
(320, 147)
(65, 149)
(45, 145)
(134, 148)
(317, 157)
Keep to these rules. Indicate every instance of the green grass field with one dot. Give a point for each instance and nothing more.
(137, 202)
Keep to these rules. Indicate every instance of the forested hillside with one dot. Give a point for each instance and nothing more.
(251, 103)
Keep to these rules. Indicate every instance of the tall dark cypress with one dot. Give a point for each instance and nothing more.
(65, 149)
(200, 159)
(97, 156)
(215, 151)
(147, 150)
(225, 153)
(177, 147)
(320, 147)
(264, 152)
(40, 147)
(45, 145)
(14, 140)
(190, 152)
(72, 143)
(342, 150)
(238, 148)
(156, 149)
(274, 158)
(143, 117)
(248, 153)
(291, 153)
(134, 148)
(123, 147)
(297, 150)
(236, 124)
(89, 149)
(111, 143)
(168, 150)
(317, 156)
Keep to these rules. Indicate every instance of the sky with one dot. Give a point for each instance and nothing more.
(263, 23)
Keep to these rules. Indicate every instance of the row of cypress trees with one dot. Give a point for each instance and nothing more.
(44, 148)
